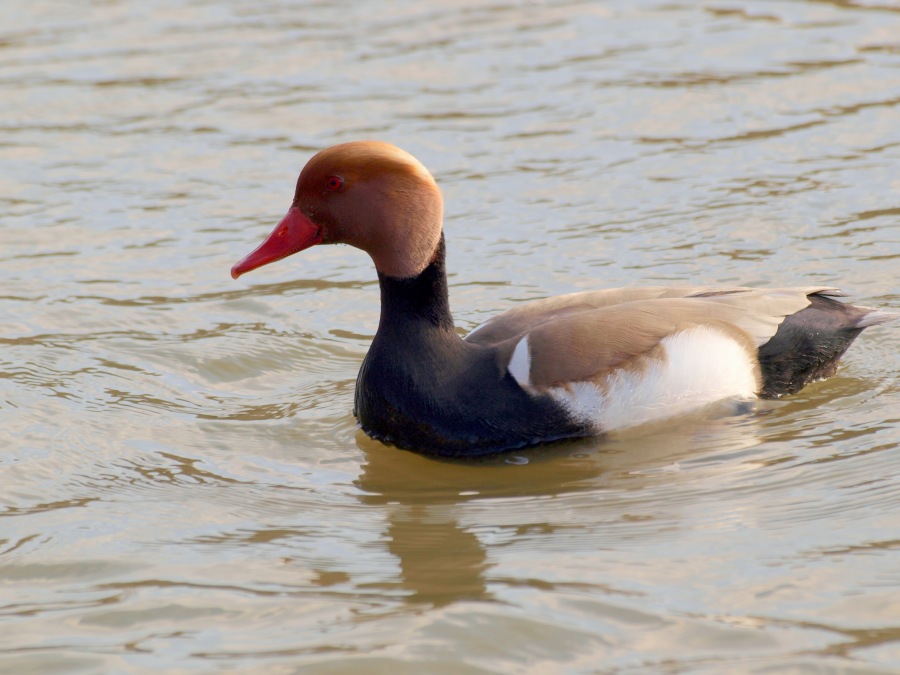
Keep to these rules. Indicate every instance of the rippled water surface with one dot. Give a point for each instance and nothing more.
(183, 485)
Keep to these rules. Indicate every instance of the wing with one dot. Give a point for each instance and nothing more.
(583, 336)
(527, 316)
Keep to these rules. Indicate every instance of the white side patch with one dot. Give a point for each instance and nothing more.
(520, 363)
(583, 399)
(702, 366)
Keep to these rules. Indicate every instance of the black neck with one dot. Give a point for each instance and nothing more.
(420, 299)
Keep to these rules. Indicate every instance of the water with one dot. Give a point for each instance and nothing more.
(183, 486)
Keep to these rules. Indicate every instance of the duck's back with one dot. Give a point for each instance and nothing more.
(793, 335)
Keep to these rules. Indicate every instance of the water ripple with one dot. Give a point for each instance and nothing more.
(184, 484)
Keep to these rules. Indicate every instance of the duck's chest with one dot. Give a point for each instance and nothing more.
(454, 404)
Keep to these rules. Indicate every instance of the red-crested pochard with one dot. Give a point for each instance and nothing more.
(567, 366)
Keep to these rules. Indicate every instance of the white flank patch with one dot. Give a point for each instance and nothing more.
(520, 363)
(702, 366)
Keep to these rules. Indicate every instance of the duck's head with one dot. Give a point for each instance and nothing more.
(367, 194)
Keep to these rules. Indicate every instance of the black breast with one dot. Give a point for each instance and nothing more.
(452, 401)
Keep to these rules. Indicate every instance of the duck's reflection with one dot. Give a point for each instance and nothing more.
(440, 561)
(443, 559)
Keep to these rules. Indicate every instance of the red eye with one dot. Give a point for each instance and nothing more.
(334, 183)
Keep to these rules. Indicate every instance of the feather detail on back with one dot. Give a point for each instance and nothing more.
(580, 336)
(767, 304)
(583, 345)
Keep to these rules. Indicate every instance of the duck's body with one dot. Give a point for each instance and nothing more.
(574, 365)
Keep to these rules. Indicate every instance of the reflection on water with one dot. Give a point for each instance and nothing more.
(184, 487)
(441, 561)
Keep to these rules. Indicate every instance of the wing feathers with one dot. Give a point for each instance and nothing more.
(529, 315)
(582, 336)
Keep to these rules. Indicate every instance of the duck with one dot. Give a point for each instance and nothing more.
(583, 364)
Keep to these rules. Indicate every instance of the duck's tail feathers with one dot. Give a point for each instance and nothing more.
(875, 317)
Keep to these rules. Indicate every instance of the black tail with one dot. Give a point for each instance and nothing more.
(809, 344)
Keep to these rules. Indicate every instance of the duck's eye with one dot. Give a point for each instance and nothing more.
(334, 183)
